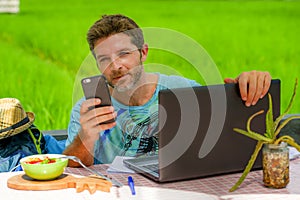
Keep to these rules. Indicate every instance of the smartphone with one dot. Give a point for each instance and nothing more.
(96, 87)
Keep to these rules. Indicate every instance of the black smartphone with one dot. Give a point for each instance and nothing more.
(96, 87)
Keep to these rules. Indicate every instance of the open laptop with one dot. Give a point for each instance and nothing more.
(196, 137)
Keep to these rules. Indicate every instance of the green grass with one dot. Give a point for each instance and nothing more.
(43, 48)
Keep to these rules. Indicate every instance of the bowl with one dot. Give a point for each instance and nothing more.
(44, 166)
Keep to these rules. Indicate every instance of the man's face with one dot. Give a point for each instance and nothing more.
(120, 61)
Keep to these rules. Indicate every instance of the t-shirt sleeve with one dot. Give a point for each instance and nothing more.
(74, 124)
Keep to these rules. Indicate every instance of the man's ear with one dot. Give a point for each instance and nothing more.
(144, 52)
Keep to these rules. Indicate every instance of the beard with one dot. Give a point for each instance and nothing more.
(130, 82)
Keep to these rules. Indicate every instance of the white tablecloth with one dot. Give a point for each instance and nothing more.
(116, 193)
(142, 193)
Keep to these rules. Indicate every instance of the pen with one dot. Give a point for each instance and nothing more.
(131, 185)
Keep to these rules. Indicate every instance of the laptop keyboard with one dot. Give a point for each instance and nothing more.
(152, 167)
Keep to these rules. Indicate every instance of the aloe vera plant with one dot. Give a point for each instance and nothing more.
(273, 128)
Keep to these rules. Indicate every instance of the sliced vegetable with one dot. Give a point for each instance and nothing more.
(45, 160)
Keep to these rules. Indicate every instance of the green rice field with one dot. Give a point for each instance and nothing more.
(43, 48)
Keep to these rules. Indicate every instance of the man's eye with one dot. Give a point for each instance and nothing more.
(103, 60)
(124, 53)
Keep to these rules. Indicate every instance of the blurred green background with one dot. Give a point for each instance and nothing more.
(43, 46)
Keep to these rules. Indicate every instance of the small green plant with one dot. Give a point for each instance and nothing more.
(273, 128)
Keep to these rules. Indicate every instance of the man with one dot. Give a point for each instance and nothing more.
(118, 45)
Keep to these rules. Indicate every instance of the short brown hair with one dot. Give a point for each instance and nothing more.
(112, 24)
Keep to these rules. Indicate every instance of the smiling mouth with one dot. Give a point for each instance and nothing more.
(118, 78)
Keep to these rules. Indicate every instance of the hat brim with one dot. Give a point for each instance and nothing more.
(19, 129)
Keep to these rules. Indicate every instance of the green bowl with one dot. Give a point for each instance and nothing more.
(44, 170)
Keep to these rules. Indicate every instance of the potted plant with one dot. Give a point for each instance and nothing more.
(275, 151)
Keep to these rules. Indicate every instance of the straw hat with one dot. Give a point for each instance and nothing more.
(13, 118)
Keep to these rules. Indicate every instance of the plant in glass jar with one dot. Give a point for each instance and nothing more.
(275, 151)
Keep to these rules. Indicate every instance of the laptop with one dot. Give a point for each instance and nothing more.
(196, 136)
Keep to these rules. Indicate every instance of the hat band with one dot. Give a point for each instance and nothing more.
(20, 123)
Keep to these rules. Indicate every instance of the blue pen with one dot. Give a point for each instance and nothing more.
(131, 185)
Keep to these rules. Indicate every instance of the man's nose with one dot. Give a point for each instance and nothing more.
(116, 63)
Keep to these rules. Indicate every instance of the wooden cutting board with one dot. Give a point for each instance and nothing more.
(24, 182)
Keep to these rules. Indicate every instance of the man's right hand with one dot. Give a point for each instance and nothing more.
(91, 120)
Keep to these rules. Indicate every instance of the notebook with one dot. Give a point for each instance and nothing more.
(196, 137)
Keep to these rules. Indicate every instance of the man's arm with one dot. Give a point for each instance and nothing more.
(83, 150)
(91, 122)
(253, 85)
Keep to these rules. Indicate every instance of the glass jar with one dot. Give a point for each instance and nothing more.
(276, 165)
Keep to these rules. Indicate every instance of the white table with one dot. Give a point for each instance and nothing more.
(205, 188)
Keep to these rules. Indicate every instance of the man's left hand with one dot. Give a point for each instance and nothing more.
(253, 85)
